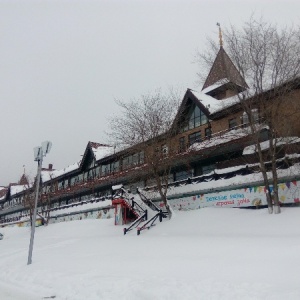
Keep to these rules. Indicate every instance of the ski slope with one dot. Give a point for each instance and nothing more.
(211, 253)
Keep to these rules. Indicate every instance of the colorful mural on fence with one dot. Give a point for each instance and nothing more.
(289, 192)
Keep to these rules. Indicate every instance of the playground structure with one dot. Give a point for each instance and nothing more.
(135, 209)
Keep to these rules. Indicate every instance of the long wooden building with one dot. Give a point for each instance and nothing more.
(211, 133)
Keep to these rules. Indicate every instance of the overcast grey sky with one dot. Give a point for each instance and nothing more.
(62, 64)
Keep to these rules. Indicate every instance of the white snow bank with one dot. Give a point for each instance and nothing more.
(265, 145)
(211, 253)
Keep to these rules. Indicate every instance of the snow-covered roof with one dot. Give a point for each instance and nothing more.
(217, 140)
(214, 105)
(47, 175)
(101, 151)
(15, 189)
(215, 85)
(265, 145)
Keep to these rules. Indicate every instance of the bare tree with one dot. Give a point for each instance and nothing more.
(144, 128)
(28, 199)
(44, 201)
(269, 60)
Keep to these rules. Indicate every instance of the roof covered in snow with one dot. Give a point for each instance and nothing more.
(47, 174)
(15, 189)
(214, 105)
(265, 145)
(101, 150)
(220, 139)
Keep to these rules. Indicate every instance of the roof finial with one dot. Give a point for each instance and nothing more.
(24, 169)
(220, 35)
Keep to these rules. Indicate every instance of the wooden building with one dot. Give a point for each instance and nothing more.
(209, 133)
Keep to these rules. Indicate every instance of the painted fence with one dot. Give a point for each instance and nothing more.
(289, 193)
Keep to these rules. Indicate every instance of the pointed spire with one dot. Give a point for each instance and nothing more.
(23, 180)
(223, 76)
(220, 35)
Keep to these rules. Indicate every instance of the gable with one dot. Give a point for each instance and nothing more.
(88, 158)
(191, 113)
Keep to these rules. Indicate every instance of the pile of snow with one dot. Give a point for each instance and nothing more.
(266, 144)
(211, 253)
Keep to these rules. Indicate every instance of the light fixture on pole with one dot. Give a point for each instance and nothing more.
(39, 153)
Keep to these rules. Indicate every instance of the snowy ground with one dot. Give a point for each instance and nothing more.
(211, 253)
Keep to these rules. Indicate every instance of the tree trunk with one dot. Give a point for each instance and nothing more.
(275, 177)
(169, 210)
(265, 177)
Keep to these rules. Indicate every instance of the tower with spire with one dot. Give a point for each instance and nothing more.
(224, 80)
(23, 180)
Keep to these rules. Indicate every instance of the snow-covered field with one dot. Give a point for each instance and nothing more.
(211, 253)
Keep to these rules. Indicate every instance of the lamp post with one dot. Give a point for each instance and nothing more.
(39, 153)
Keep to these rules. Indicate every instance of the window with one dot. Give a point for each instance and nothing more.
(66, 183)
(61, 185)
(182, 144)
(132, 160)
(254, 117)
(73, 180)
(105, 170)
(195, 137)
(126, 162)
(182, 175)
(194, 119)
(245, 119)
(80, 178)
(164, 150)
(208, 132)
(135, 159)
(97, 171)
(142, 157)
(85, 176)
(232, 123)
(208, 169)
(116, 166)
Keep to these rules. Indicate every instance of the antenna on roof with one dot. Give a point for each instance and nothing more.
(220, 35)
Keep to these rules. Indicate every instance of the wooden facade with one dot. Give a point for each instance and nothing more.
(205, 139)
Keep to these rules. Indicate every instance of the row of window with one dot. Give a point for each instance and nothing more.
(193, 138)
(100, 171)
(232, 123)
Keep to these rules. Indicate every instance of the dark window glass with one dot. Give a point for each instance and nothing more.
(182, 144)
(195, 117)
(195, 137)
(182, 175)
(208, 132)
(232, 123)
(208, 169)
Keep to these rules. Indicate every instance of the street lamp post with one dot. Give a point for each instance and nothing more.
(39, 153)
